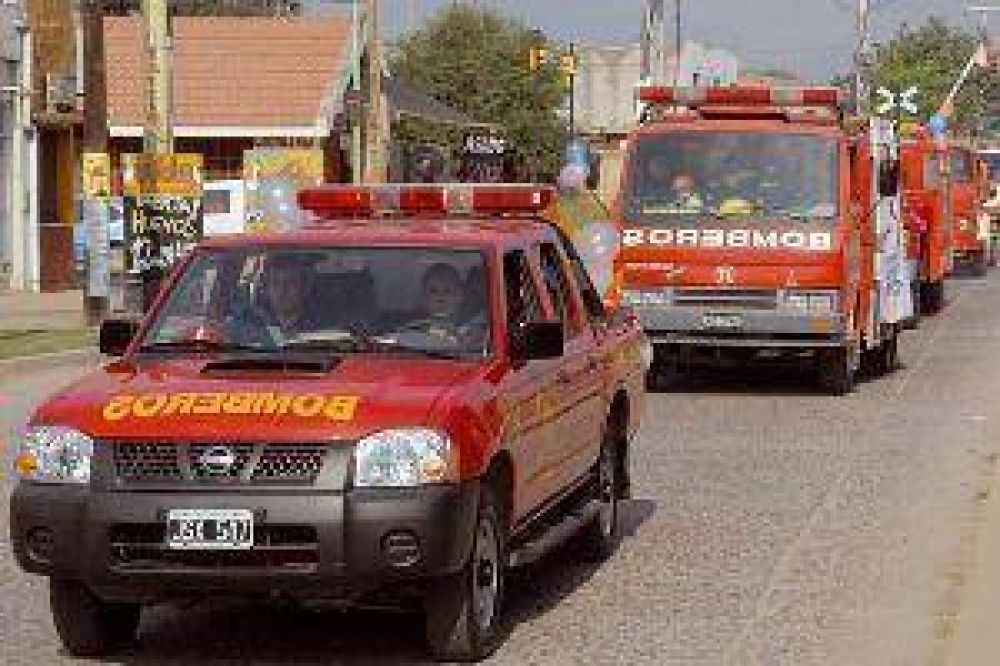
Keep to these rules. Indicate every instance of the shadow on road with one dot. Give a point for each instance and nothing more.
(758, 378)
(234, 633)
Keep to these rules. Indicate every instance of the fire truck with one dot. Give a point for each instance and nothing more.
(929, 236)
(760, 223)
(967, 179)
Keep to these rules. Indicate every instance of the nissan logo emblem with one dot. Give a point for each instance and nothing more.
(218, 458)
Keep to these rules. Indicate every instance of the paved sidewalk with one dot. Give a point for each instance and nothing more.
(977, 641)
(27, 311)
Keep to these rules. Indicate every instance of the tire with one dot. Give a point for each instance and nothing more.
(933, 297)
(599, 538)
(837, 371)
(87, 626)
(662, 377)
(461, 616)
(979, 268)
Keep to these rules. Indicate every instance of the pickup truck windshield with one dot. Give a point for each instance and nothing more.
(732, 174)
(424, 301)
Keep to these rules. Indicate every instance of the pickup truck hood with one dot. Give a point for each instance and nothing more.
(728, 253)
(178, 399)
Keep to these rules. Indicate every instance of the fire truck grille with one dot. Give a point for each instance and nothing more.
(743, 299)
(218, 463)
(142, 547)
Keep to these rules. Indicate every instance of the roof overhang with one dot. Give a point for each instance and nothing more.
(223, 132)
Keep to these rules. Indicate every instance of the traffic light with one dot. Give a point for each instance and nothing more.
(568, 64)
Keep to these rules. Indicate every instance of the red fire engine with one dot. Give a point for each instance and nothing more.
(757, 223)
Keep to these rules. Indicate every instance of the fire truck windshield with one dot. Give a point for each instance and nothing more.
(753, 175)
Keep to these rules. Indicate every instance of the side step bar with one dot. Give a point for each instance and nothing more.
(536, 546)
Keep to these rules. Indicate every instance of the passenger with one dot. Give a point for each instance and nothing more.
(685, 196)
(443, 316)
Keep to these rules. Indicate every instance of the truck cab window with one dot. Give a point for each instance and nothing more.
(523, 304)
(557, 284)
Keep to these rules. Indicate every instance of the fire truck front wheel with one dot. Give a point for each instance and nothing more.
(838, 369)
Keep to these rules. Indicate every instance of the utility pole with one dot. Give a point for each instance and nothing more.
(376, 135)
(677, 43)
(357, 157)
(158, 133)
(95, 132)
(861, 56)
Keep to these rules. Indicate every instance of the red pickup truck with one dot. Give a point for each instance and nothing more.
(397, 402)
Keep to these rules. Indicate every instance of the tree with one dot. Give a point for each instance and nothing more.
(476, 61)
(931, 57)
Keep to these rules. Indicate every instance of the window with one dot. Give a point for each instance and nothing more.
(557, 284)
(591, 299)
(522, 297)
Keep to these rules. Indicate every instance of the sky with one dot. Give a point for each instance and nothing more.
(813, 38)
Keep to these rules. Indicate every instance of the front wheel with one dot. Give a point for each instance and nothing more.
(837, 371)
(88, 626)
(462, 610)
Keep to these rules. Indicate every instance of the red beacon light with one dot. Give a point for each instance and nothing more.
(740, 96)
(354, 201)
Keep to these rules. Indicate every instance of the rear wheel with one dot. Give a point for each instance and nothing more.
(837, 370)
(979, 267)
(932, 297)
(599, 537)
(462, 610)
(88, 626)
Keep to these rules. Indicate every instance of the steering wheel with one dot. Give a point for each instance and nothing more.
(249, 327)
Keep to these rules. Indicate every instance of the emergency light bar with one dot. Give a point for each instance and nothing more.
(740, 96)
(416, 200)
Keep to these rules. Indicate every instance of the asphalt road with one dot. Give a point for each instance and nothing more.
(772, 525)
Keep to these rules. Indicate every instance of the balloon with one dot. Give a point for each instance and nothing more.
(597, 244)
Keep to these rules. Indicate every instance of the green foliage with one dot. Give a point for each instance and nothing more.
(931, 57)
(476, 61)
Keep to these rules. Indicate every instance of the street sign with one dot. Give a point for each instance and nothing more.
(902, 101)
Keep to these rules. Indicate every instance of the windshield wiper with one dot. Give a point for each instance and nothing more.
(198, 346)
(388, 345)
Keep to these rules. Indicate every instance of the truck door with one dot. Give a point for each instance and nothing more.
(528, 388)
(579, 394)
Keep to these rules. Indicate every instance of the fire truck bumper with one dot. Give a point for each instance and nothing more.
(763, 329)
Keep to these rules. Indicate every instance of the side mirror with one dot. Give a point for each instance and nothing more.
(888, 179)
(116, 335)
(542, 340)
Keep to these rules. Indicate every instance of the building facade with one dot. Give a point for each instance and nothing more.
(10, 70)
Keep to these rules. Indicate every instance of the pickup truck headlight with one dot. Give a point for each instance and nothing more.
(403, 457)
(813, 302)
(54, 454)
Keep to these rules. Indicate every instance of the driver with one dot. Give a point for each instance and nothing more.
(286, 285)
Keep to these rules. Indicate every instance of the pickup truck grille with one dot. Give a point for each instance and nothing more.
(142, 547)
(159, 462)
(744, 299)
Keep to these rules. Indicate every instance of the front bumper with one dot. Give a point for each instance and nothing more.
(758, 328)
(334, 545)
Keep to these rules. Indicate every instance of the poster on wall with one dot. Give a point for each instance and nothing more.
(159, 231)
(224, 207)
(95, 175)
(273, 177)
(176, 174)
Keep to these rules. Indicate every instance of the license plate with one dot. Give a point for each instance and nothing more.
(210, 529)
(722, 321)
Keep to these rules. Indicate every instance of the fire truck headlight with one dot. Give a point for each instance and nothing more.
(404, 457)
(54, 454)
(636, 298)
(813, 302)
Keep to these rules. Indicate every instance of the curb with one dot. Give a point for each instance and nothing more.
(86, 355)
